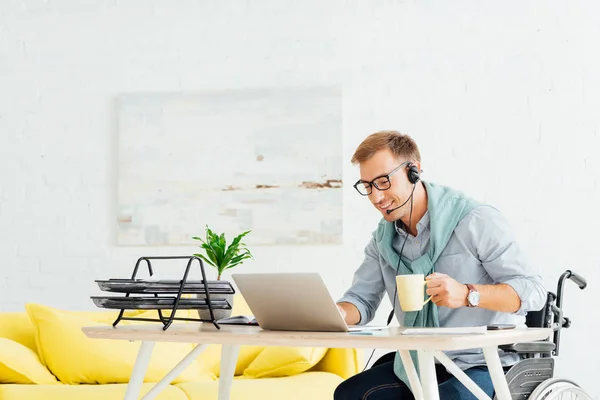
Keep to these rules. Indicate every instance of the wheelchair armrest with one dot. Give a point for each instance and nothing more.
(529, 347)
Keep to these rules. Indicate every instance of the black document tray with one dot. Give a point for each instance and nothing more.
(163, 286)
(156, 294)
(157, 303)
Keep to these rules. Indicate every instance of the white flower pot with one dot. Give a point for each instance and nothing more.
(218, 313)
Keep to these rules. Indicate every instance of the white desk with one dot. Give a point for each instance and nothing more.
(231, 337)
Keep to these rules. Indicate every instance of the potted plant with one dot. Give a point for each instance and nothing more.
(223, 257)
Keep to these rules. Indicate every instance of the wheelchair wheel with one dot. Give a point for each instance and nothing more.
(558, 389)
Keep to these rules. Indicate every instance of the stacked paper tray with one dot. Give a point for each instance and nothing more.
(163, 286)
(156, 303)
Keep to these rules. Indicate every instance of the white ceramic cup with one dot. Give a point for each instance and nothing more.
(411, 291)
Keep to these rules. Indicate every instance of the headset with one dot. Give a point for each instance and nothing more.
(414, 177)
(413, 174)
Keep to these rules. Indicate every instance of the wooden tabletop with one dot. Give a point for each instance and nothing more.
(252, 335)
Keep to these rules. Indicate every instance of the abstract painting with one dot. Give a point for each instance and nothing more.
(267, 160)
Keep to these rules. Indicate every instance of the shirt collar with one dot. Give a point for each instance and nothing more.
(422, 225)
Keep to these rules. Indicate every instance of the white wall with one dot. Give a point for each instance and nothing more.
(501, 96)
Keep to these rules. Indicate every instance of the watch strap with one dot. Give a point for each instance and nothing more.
(471, 290)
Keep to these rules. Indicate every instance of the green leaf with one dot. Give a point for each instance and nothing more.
(231, 251)
(205, 259)
(237, 259)
(234, 250)
(211, 254)
(238, 238)
(210, 241)
(210, 236)
(232, 265)
(219, 253)
(222, 242)
(250, 254)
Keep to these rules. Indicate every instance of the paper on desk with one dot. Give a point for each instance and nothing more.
(462, 330)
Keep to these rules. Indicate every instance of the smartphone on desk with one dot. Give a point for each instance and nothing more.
(497, 327)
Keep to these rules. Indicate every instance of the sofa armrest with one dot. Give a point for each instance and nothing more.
(342, 362)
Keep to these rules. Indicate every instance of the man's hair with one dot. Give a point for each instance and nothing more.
(401, 145)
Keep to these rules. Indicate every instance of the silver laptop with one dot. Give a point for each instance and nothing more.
(292, 302)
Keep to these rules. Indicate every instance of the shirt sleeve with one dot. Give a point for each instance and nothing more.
(494, 243)
(368, 286)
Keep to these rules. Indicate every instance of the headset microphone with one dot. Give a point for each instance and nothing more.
(388, 212)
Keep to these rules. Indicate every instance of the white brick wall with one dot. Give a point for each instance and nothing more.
(501, 96)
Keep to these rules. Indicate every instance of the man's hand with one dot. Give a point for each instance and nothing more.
(342, 311)
(349, 312)
(446, 291)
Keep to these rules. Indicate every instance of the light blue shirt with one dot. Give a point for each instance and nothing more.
(482, 250)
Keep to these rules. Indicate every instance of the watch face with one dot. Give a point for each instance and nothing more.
(474, 298)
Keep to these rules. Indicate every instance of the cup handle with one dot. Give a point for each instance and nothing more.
(426, 301)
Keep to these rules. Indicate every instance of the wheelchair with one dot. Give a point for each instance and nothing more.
(533, 377)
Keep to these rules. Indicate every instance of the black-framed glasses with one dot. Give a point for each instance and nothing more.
(381, 182)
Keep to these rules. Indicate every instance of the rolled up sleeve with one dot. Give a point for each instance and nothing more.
(497, 249)
(368, 286)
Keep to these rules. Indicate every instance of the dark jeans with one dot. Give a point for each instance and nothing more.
(380, 383)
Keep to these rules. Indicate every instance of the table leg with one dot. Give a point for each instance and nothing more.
(497, 373)
(428, 375)
(229, 355)
(174, 373)
(411, 372)
(460, 375)
(139, 370)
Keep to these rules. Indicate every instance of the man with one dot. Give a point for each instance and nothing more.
(474, 268)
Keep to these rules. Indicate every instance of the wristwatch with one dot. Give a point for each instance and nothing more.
(473, 296)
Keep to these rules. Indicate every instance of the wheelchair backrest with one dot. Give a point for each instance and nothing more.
(544, 317)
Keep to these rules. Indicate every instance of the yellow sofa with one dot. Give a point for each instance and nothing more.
(44, 355)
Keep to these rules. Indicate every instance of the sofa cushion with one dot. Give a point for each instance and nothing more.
(20, 364)
(341, 361)
(80, 392)
(309, 385)
(18, 327)
(275, 361)
(74, 358)
(210, 359)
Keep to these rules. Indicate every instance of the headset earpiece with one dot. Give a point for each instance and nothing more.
(413, 173)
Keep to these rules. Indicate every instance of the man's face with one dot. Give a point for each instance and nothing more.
(382, 163)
